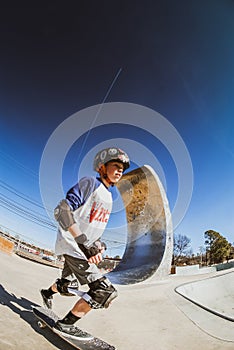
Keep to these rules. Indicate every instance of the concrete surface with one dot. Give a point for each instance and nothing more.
(214, 294)
(148, 316)
(193, 270)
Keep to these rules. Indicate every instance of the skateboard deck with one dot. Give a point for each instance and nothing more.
(47, 318)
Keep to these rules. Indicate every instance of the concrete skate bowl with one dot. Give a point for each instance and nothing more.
(215, 294)
(148, 250)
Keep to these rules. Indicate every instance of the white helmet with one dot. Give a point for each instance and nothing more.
(110, 154)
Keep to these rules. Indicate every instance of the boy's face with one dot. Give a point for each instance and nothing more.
(114, 171)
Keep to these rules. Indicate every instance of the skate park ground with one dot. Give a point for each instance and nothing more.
(150, 315)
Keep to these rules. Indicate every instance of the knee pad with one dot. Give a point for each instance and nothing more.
(62, 285)
(100, 294)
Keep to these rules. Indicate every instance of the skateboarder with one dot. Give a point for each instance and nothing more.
(82, 218)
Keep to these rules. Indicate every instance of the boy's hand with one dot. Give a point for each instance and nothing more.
(96, 259)
(93, 253)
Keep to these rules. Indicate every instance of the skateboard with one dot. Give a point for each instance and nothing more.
(47, 318)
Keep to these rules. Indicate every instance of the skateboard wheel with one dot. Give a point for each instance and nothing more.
(41, 324)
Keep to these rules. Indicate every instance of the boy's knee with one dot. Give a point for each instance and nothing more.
(100, 294)
(62, 285)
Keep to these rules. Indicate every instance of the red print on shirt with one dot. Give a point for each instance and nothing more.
(99, 213)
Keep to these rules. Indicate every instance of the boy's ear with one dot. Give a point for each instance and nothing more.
(102, 170)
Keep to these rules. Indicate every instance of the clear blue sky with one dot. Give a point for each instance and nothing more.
(176, 58)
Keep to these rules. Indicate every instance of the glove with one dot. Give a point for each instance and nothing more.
(96, 248)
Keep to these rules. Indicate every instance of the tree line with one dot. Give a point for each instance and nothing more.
(216, 250)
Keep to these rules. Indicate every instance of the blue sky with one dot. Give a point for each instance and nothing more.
(174, 57)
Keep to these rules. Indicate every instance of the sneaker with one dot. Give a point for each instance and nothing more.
(46, 300)
(71, 331)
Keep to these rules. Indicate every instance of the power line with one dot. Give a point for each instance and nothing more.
(99, 110)
(21, 166)
(22, 195)
(21, 206)
(26, 215)
(39, 219)
(29, 214)
(21, 210)
(26, 238)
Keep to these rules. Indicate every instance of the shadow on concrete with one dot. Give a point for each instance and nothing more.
(23, 307)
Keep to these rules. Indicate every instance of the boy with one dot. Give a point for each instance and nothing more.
(82, 218)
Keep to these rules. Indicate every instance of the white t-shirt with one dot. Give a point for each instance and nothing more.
(91, 203)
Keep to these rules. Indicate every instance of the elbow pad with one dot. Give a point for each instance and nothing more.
(63, 215)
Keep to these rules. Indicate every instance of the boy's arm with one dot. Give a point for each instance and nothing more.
(64, 216)
(94, 253)
(75, 197)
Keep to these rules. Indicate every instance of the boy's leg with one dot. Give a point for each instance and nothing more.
(79, 268)
(85, 273)
(100, 294)
(47, 297)
(47, 294)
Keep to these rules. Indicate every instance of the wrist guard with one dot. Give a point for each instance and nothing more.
(91, 251)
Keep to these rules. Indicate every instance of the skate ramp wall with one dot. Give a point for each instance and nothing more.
(149, 245)
(215, 294)
(193, 270)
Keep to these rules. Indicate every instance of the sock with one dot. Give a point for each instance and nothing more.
(48, 292)
(70, 318)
